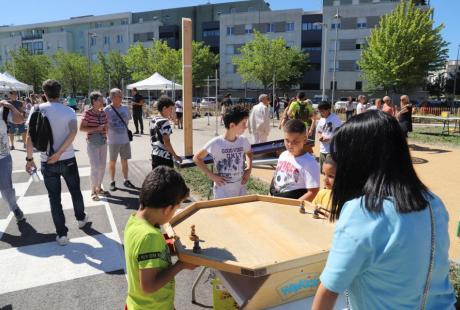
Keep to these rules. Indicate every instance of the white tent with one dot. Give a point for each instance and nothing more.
(155, 82)
(8, 82)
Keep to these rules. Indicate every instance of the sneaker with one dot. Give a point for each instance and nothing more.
(19, 215)
(136, 133)
(128, 184)
(83, 222)
(12, 147)
(142, 132)
(62, 240)
(112, 186)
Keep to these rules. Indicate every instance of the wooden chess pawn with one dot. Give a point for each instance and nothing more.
(196, 247)
(193, 236)
(302, 208)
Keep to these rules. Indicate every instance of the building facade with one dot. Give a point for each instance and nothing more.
(348, 32)
(87, 35)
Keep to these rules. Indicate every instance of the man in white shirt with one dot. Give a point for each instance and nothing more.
(361, 107)
(60, 160)
(259, 120)
(327, 125)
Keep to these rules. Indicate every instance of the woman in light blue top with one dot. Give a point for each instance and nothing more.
(382, 247)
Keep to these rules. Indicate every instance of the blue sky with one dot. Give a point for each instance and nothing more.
(32, 11)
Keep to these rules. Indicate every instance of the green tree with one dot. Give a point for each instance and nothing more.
(166, 61)
(71, 70)
(403, 49)
(137, 62)
(262, 58)
(29, 69)
(113, 67)
(204, 63)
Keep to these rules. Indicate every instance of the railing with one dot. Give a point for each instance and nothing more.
(454, 111)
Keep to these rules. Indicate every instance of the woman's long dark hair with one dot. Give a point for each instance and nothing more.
(373, 161)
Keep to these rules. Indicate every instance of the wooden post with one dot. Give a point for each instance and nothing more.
(187, 84)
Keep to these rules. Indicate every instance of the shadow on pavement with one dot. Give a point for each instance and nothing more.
(419, 148)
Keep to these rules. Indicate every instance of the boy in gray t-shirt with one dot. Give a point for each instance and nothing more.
(229, 152)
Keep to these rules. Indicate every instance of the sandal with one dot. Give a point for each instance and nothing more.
(102, 192)
(95, 197)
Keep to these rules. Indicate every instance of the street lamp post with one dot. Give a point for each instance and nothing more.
(324, 51)
(334, 81)
(456, 72)
(90, 35)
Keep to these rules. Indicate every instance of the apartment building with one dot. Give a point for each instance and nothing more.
(87, 35)
(355, 20)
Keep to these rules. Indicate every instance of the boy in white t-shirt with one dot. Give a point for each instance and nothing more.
(297, 172)
(229, 152)
(326, 127)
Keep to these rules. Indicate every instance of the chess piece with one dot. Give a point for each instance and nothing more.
(193, 236)
(196, 247)
(302, 208)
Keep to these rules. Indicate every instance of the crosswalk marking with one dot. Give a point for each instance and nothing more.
(46, 263)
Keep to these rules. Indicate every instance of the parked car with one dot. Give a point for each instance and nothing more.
(208, 102)
(341, 105)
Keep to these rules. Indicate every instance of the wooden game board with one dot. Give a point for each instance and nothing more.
(251, 235)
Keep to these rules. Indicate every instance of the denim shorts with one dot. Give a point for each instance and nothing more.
(20, 128)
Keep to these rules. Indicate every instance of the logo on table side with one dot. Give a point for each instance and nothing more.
(300, 284)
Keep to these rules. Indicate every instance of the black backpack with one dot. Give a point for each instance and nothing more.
(40, 132)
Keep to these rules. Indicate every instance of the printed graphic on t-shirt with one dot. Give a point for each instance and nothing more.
(286, 176)
(159, 126)
(231, 165)
(327, 129)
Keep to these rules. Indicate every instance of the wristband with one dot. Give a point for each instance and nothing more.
(29, 159)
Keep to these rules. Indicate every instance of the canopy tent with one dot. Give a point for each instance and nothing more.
(8, 83)
(155, 82)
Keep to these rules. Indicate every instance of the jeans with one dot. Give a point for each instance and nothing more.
(52, 173)
(6, 183)
(98, 161)
(137, 117)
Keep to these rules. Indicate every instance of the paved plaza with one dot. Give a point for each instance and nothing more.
(88, 273)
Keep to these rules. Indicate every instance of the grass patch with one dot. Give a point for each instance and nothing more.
(432, 135)
(201, 186)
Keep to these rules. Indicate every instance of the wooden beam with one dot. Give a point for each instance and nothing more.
(187, 84)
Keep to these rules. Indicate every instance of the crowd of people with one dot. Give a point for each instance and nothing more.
(385, 253)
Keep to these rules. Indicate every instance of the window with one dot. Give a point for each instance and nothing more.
(357, 68)
(141, 20)
(230, 31)
(355, 2)
(248, 29)
(311, 26)
(119, 38)
(230, 49)
(334, 25)
(106, 40)
(93, 41)
(361, 23)
(124, 21)
(336, 3)
(360, 44)
(143, 37)
(331, 65)
(359, 85)
(232, 10)
(98, 25)
(289, 26)
(211, 33)
(335, 84)
(311, 49)
(230, 68)
(271, 28)
(251, 9)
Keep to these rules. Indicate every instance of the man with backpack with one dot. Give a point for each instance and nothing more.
(52, 129)
(302, 109)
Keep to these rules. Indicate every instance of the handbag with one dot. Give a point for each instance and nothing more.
(130, 133)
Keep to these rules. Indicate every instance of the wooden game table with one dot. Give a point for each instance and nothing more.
(266, 252)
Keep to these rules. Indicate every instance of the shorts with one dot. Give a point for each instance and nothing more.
(179, 114)
(20, 128)
(160, 161)
(123, 149)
